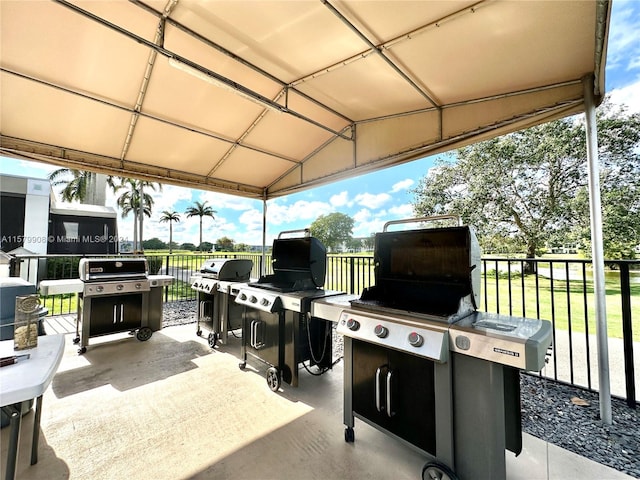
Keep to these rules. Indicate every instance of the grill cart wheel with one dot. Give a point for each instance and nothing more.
(437, 471)
(76, 340)
(273, 379)
(144, 334)
(349, 435)
(199, 332)
(82, 350)
(212, 339)
(242, 365)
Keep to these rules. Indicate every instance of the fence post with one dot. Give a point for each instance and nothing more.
(352, 274)
(627, 334)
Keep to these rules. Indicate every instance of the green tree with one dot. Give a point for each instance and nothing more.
(200, 209)
(334, 229)
(82, 186)
(134, 199)
(225, 244)
(154, 244)
(170, 216)
(188, 246)
(531, 186)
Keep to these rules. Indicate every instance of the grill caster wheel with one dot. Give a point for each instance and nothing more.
(437, 471)
(212, 339)
(76, 340)
(242, 365)
(199, 333)
(349, 435)
(82, 350)
(273, 379)
(144, 334)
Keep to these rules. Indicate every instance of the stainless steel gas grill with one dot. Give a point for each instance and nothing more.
(115, 298)
(114, 295)
(217, 310)
(421, 364)
(278, 328)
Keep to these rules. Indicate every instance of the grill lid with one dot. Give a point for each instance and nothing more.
(298, 263)
(230, 269)
(430, 271)
(100, 269)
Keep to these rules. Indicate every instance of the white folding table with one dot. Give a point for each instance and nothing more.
(24, 381)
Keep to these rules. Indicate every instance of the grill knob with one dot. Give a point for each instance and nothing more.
(253, 299)
(353, 324)
(381, 331)
(99, 288)
(264, 302)
(138, 286)
(243, 296)
(415, 339)
(119, 287)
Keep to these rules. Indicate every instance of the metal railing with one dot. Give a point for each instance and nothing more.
(557, 290)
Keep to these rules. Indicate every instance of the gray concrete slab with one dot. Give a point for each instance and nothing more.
(171, 408)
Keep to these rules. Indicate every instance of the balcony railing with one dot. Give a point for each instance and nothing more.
(558, 290)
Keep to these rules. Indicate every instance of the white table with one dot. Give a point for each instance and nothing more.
(24, 381)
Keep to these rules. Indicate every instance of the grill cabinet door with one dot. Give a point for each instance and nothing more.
(110, 314)
(395, 391)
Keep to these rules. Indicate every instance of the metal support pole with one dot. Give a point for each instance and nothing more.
(263, 263)
(597, 251)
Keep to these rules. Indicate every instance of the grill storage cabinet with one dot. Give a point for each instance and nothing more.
(411, 398)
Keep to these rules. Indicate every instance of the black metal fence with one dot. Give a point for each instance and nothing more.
(557, 290)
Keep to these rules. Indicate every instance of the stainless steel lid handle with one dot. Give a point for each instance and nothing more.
(455, 217)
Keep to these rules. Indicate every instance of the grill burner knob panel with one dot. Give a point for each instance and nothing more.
(415, 339)
(353, 325)
(381, 331)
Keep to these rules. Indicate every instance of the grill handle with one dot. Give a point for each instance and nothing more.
(379, 379)
(390, 375)
(423, 219)
(306, 231)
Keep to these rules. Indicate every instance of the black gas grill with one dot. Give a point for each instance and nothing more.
(423, 365)
(278, 328)
(217, 284)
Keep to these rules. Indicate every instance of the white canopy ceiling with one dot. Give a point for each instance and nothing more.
(263, 98)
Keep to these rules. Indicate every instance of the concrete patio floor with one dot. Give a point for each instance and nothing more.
(171, 408)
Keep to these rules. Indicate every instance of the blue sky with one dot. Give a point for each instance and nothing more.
(371, 200)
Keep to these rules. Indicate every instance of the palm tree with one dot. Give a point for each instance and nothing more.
(129, 201)
(200, 210)
(83, 186)
(170, 217)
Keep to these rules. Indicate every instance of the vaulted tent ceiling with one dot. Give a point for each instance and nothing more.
(264, 98)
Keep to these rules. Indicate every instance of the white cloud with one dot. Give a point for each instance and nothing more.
(340, 200)
(402, 185)
(302, 210)
(372, 201)
(629, 96)
(402, 211)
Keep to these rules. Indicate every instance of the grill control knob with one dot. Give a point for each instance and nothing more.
(415, 339)
(353, 325)
(99, 288)
(381, 331)
(138, 286)
(264, 302)
(253, 299)
(243, 296)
